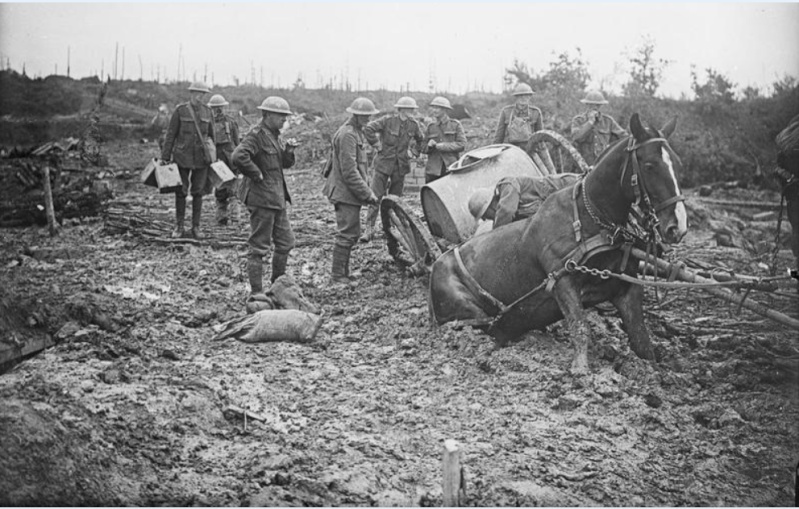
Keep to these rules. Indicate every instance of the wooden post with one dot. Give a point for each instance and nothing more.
(690, 277)
(453, 482)
(48, 203)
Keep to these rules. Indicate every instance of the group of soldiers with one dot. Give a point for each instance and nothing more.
(199, 133)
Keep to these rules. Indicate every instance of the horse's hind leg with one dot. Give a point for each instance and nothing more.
(567, 294)
(630, 306)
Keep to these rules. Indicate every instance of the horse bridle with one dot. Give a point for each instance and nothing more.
(637, 181)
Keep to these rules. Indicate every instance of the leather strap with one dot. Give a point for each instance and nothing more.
(199, 133)
(486, 298)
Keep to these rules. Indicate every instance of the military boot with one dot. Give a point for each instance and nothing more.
(180, 215)
(341, 262)
(196, 212)
(279, 262)
(222, 212)
(255, 273)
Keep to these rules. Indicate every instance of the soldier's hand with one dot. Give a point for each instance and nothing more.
(431, 144)
(373, 199)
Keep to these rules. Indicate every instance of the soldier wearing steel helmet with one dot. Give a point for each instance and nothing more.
(592, 131)
(520, 120)
(444, 140)
(261, 157)
(346, 186)
(188, 151)
(515, 198)
(392, 135)
(226, 132)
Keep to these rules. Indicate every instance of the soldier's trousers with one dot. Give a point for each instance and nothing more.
(268, 226)
(394, 183)
(348, 224)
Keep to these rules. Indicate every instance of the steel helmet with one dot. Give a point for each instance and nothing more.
(275, 105)
(523, 89)
(479, 202)
(406, 102)
(594, 97)
(199, 86)
(217, 100)
(362, 106)
(442, 102)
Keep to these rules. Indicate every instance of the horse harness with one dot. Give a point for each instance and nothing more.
(608, 238)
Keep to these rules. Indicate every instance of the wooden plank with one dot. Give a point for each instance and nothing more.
(10, 354)
(741, 300)
(735, 203)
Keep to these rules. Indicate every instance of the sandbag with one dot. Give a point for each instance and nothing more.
(273, 325)
(286, 294)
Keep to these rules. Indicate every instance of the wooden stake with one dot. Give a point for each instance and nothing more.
(453, 483)
(48, 203)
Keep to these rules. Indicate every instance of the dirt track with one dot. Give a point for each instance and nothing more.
(137, 406)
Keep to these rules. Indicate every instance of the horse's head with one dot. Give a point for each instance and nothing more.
(657, 165)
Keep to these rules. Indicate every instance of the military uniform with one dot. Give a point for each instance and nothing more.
(788, 173)
(226, 132)
(392, 161)
(517, 123)
(346, 186)
(261, 157)
(591, 138)
(186, 150)
(450, 142)
(518, 198)
(182, 144)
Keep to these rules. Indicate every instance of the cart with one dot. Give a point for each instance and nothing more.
(445, 201)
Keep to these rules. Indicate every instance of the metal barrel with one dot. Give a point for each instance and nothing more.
(445, 201)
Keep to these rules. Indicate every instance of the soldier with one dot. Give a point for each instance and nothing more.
(515, 198)
(346, 185)
(261, 157)
(443, 142)
(592, 131)
(519, 121)
(787, 172)
(190, 153)
(395, 135)
(226, 131)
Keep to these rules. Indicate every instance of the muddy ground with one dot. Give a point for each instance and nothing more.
(136, 405)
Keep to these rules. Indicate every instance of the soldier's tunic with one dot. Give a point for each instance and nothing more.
(590, 138)
(518, 198)
(392, 160)
(788, 173)
(346, 186)
(450, 142)
(517, 123)
(182, 145)
(261, 157)
(226, 132)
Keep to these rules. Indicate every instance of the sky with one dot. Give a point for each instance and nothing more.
(460, 46)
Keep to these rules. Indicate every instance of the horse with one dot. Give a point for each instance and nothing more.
(529, 274)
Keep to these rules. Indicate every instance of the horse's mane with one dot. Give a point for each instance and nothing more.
(610, 148)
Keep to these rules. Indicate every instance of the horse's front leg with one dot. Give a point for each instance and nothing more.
(567, 294)
(631, 308)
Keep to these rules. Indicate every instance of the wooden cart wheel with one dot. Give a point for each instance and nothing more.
(409, 242)
(560, 156)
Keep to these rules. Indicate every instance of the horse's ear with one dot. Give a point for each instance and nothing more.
(669, 127)
(639, 133)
